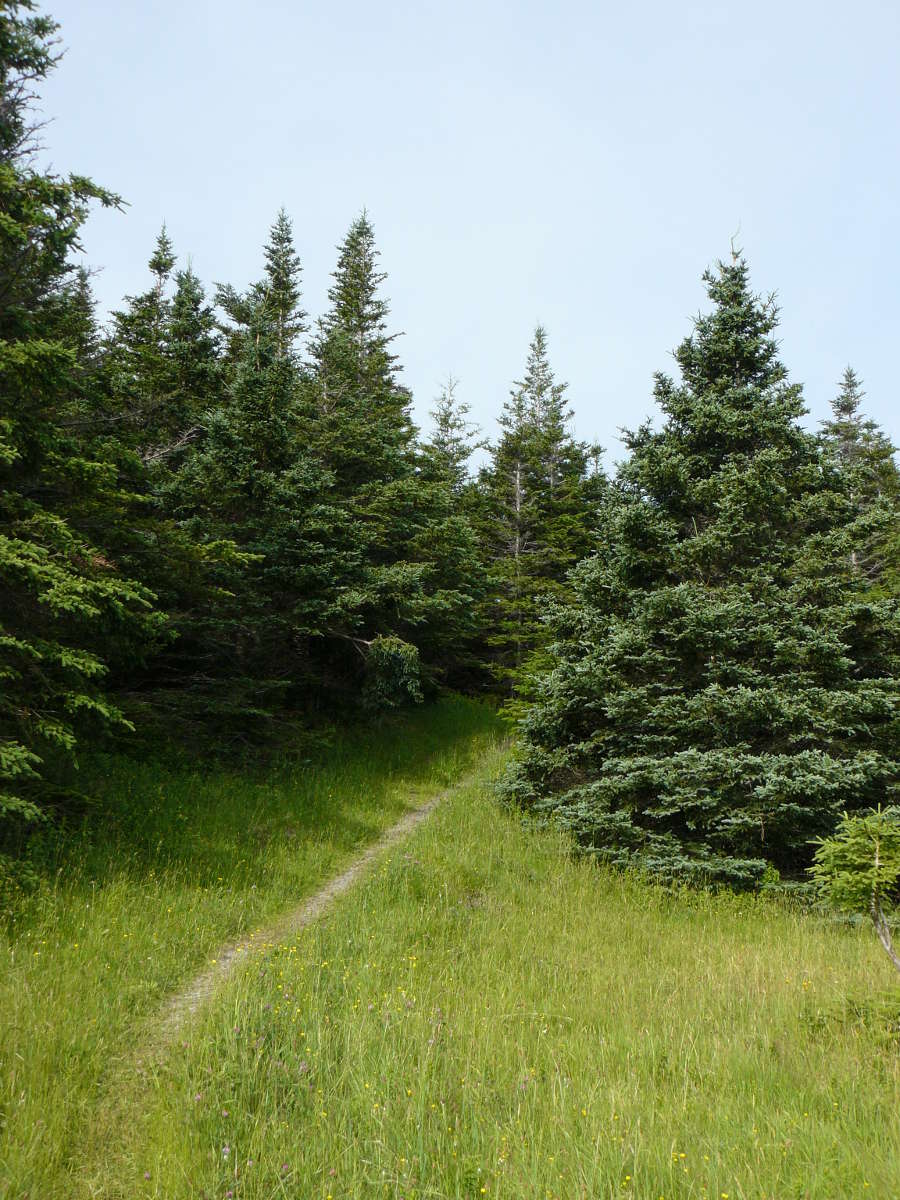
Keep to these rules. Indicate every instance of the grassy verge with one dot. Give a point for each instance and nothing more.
(175, 861)
(485, 1017)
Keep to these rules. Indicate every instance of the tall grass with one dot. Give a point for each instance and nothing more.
(487, 1017)
(173, 861)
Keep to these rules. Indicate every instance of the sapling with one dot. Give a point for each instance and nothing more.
(857, 869)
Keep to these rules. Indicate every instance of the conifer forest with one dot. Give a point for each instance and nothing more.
(251, 614)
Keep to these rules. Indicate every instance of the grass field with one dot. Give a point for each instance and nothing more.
(174, 861)
(482, 1016)
(487, 1017)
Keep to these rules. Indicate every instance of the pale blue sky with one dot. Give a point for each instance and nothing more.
(574, 163)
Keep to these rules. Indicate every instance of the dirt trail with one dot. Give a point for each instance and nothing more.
(186, 1002)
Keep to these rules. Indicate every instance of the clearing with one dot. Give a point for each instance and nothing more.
(481, 1014)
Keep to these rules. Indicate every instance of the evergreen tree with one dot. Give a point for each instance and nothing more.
(856, 440)
(570, 482)
(866, 457)
(147, 409)
(407, 576)
(147, 412)
(510, 488)
(194, 346)
(724, 686)
(454, 439)
(63, 602)
(364, 427)
(281, 294)
(254, 484)
(539, 510)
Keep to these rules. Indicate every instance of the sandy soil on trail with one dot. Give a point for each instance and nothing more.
(190, 998)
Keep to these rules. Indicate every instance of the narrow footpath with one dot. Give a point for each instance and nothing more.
(187, 1001)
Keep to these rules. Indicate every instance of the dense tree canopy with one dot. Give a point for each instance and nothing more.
(216, 509)
(726, 682)
(64, 606)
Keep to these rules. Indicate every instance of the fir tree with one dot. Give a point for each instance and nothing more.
(161, 378)
(510, 488)
(856, 440)
(539, 510)
(408, 563)
(281, 294)
(454, 439)
(364, 427)
(254, 484)
(866, 457)
(194, 349)
(724, 686)
(146, 405)
(569, 480)
(63, 602)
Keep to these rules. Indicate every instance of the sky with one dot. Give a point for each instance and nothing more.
(577, 164)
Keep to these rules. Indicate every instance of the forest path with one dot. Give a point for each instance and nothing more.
(189, 999)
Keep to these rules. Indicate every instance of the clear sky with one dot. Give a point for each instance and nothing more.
(573, 163)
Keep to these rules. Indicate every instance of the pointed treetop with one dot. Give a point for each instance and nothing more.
(455, 437)
(281, 287)
(546, 397)
(162, 259)
(188, 286)
(857, 439)
(192, 320)
(732, 345)
(734, 396)
(845, 405)
(272, 305)
(356, 306)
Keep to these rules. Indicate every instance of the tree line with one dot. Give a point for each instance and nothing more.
(216, 509)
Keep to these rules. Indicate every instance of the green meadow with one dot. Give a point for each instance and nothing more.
(483, 1014)
(173, 860)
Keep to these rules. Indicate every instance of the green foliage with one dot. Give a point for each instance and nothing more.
(252, 482)
(866, 459)
(392, 673)
(408, 566)
(861, 860)
(208, 520)
(538, 513)
(725, 685)
(64, 605)
(181, 854)
(453, 441)
(857, 869)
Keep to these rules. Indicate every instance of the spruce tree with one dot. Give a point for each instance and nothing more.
(281, 288)
(856, 440)
(364, 426)
(194, 346)
(147, 410)
(569, 479)
(510, 489)
(454, 439)
(866, 458)
(407, 576)
(540, 499)
(452, 643)
(254, 484)
(725, 687)
(63, 601)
